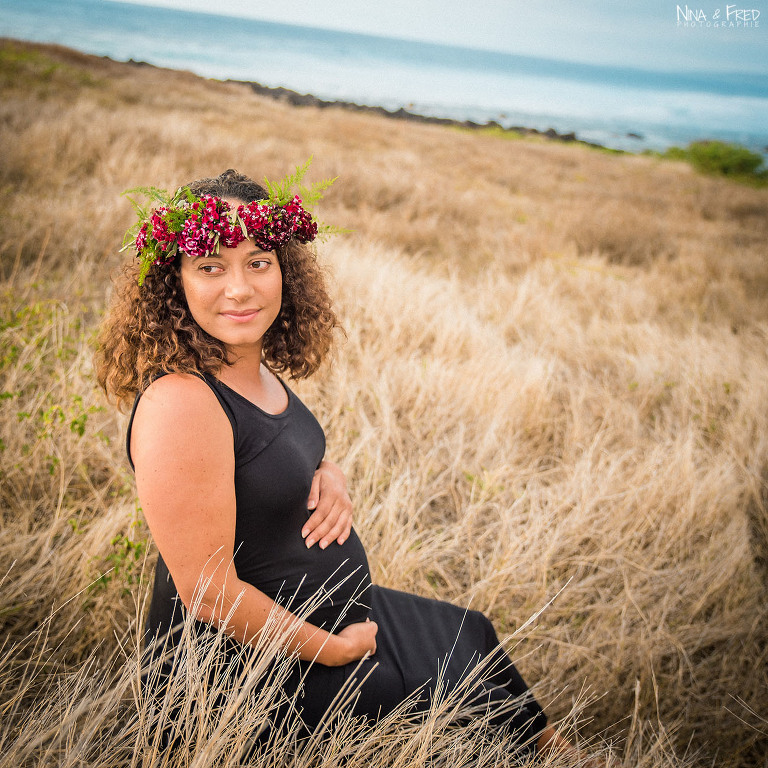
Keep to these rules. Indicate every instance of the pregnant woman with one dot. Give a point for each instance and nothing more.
(226, 295)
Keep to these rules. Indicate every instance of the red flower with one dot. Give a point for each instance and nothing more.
(196, 229)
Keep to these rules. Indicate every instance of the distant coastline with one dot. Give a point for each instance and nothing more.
(297, 99)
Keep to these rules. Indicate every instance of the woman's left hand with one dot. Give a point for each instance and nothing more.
(331, 519)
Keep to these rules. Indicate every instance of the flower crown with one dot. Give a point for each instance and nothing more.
(197, 225)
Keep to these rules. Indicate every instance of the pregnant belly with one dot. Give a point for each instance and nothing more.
(329, 587)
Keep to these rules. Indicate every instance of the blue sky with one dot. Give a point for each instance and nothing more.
(643, 33)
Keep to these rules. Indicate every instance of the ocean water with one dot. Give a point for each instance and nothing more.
(599, 103)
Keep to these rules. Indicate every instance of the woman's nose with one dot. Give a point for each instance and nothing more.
(238, 287)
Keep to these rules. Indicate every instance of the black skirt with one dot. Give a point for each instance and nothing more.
(423, 645)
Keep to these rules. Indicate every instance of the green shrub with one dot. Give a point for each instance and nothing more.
(721, 158)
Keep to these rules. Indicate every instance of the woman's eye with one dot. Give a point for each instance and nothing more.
(209, 269)
(260, 264)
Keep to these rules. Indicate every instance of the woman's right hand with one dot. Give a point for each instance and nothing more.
(354, 641)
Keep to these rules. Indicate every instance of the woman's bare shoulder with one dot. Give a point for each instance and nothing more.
(178, 386)
(181, 409)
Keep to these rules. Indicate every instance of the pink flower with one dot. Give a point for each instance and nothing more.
(160, 231)
(141, 238)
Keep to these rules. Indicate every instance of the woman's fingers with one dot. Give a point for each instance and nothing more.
(321, 529)
(375, 628)
(323, 497)
(360, 639)
(364, 634)
(330, 528)
(346, 530)
(314, 491)
(318, 523)
(331, 519)
(338, 532)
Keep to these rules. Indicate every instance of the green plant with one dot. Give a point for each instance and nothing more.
(125, 559)
(721, 159)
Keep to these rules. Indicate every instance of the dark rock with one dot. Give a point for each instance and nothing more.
(308, 100)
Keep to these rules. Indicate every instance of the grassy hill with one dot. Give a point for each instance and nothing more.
(551, 403)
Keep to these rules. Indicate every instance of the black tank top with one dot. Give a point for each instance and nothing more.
(276, 456)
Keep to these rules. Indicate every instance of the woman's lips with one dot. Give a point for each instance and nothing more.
(240, 315)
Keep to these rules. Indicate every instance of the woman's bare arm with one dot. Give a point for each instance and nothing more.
(182, 449)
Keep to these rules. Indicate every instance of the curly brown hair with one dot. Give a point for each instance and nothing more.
(149, 329)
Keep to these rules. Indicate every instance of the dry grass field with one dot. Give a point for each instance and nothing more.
(551, 403)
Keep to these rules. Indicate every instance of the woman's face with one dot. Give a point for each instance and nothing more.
(234, 295)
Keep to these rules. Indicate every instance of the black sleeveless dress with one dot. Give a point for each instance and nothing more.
(276, 456)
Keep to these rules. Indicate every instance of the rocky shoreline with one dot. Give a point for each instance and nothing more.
(296, 99)
(308, 100)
